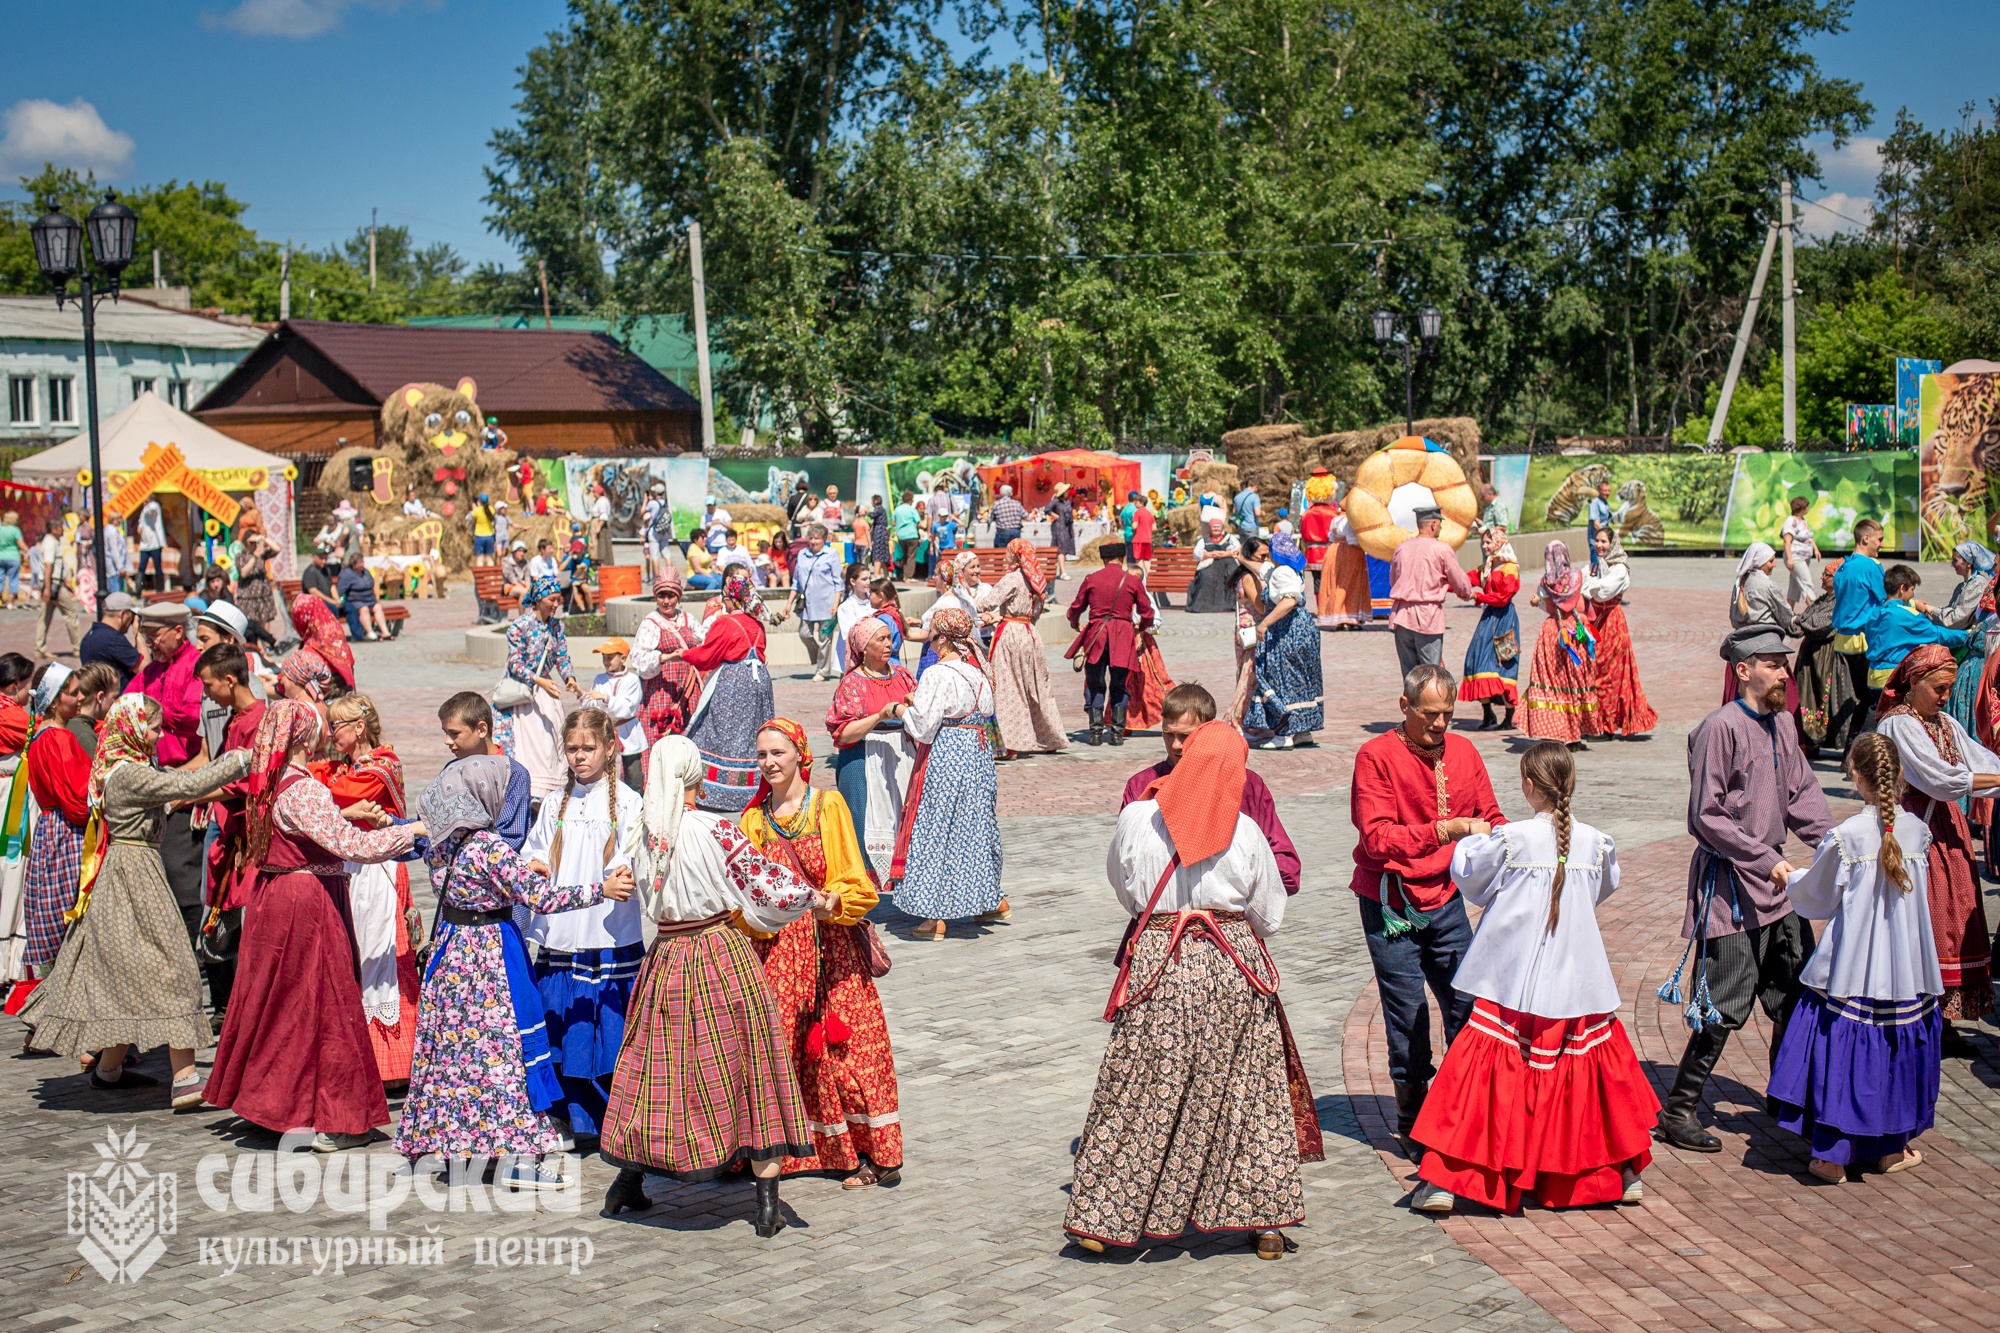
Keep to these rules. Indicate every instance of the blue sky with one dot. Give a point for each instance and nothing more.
(315, 111)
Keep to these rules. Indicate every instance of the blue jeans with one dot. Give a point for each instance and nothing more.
(1402, 966)
(354, 627)
(156, 558)
(1001, 536)
(10, 576)
(704, 582)
(482, 545)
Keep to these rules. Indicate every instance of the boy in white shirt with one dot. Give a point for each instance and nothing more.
(616, 691)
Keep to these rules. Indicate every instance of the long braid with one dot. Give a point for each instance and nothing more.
(555, 848)
(1562, 823)
(611, 796)
(1549, 769)
(1885, 774)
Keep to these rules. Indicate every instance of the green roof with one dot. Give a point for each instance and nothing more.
(661, 341)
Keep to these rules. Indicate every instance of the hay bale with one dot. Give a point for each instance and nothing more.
(1219, 478)
(1267, 456)
(1183, 524)
(756, 513)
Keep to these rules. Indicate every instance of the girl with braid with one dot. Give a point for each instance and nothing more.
(1541, 1094)
(586, 957)
(1856, 1073)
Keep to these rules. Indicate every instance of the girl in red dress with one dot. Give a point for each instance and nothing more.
(1622, 709)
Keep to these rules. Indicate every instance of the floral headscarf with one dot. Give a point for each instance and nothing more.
(1559, 581)
(965, 577)
(863, 634)
(544, 586)
(320, 630)
(954, 627)
(286, 724)
(739, 594)
(118, 741)
(1022, 552)
(796, 734)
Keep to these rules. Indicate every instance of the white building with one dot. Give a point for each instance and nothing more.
(139, 347)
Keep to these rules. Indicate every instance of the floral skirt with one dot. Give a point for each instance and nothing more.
(1289, 696)
(1858, 1078)
(850, 1087)
(1622, 709)
(1562, 693)
(1191, 1125)
(1554, 1107)
(950, 842)
(705, 1081)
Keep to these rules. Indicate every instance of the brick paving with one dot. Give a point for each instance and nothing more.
(997, 1040)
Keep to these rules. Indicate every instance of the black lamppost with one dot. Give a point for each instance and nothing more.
(114, 229)
(1388, 326)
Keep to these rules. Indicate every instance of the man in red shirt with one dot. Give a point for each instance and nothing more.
(1109, 644)
(1185, 708)
(1416, 791)
(1142, 534)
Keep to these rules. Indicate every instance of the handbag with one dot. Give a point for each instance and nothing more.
(510, 693)
(1507, 647)
(220, 935)
(874, 954)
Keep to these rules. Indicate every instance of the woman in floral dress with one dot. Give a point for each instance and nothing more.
(1622, 709)
(818, 970)
(1024, 698)
(669, 687)
(482, 1081)
(538, 657)
(1289, 705)
(322, 666)
(947, 863)
(1562, 682)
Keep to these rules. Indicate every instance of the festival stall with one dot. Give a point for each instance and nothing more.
(212, 489)
(1092, 475)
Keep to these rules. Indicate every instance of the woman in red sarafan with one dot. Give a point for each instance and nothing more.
(668, 686)
(363, 770)
(1561, 698)
(819, 970)
(1622, 709)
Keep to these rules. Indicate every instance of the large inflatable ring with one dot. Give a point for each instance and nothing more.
(1393, 483)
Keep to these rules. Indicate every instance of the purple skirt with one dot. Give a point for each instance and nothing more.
(1858, 1078)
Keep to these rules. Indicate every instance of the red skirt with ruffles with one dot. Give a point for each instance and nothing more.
(1553, 1107)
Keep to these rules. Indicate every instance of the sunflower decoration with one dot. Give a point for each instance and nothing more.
(1393, 483)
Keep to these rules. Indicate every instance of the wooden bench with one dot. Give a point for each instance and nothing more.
(486, 587)
(1172, 572)
(994, 562)
(291, 588)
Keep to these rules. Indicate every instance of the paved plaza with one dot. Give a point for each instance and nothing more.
(997, 1038)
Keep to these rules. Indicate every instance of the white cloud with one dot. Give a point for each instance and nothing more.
(1850, 168)
(1828, 214)
(297, 19)
(34, 131)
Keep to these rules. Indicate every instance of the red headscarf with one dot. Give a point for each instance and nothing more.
(1202, 797)
(287, 723)
(320, 630)
(1921, 661)
(1022, 552)
(796, 734)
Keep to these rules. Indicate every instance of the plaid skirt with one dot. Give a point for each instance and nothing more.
(55, 865)
(705, 1080)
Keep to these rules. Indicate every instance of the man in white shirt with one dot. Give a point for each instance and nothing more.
(152, 541)
(718, 521)
(734, 553)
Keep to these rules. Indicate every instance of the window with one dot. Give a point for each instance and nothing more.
(140, 388)
(21, 400)
(177, 394)
(62, 400)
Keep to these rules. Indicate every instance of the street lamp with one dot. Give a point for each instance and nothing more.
(1388, 329)
(58, 240)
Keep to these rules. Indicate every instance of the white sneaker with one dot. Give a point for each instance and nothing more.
(340, 1142)
(1428, 1198)
(565, 1141)
(1635, 1189)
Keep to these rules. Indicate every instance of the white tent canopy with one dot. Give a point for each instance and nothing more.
(123, 440)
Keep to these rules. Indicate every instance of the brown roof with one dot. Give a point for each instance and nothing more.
(516, 370)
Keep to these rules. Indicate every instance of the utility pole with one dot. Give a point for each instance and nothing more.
(156, 268)
(1714, 444)
(1791, 341)
(542, 267)
(701, 340)
(371, 249)
(285, 282)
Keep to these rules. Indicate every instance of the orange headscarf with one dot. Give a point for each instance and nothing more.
(1921, 661)
(1201, 798)
(796, 734)
(1022, 552)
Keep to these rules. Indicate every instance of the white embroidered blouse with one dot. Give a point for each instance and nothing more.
(1514, 961)
(585, 825)
(1878, 942)
(714, 869)
(949, 690)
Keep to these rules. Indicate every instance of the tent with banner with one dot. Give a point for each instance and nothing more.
(217, 467)
(1089, 473)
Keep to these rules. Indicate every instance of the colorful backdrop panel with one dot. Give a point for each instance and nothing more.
(1656, 499)
(1959, 413)
(1843, 489)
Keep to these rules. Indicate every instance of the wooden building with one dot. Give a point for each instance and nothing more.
(310, 385)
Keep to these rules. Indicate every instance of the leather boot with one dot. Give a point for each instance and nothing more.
(1096, 726)
(628, 1191)
(1507, 719)
(1777, 1040)
(1487, 721)
(770, 1221)
(1680, 1121)
(1115, 734)
(1409, 1101)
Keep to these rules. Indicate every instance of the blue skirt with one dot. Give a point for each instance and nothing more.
(1289, 699)
(1484, 676)
(1858, 1078)
(952, 868)
(585, 996)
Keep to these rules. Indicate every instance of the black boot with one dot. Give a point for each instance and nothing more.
(1487, 720)
(1096, 726)
(1115, 733)
(1680, 1120)
(1507, 719)
(628, 1191)
(1409, 1101)
(770, 1221)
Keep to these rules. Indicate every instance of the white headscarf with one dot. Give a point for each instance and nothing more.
(51, 685)
(672, 768)
(1759, 555)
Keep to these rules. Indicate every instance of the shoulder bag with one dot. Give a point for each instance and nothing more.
(874, 956)
(509, 693)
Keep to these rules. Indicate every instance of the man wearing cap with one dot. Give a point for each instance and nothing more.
(224, 622)
(503, 526)
(514, 575)
(169, 676)
(1749, 784)
(1422, 570)
(816, 590)
(316, 579)
(110, 639)
(1109, 643)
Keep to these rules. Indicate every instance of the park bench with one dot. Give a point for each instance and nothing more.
(1172, 572)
